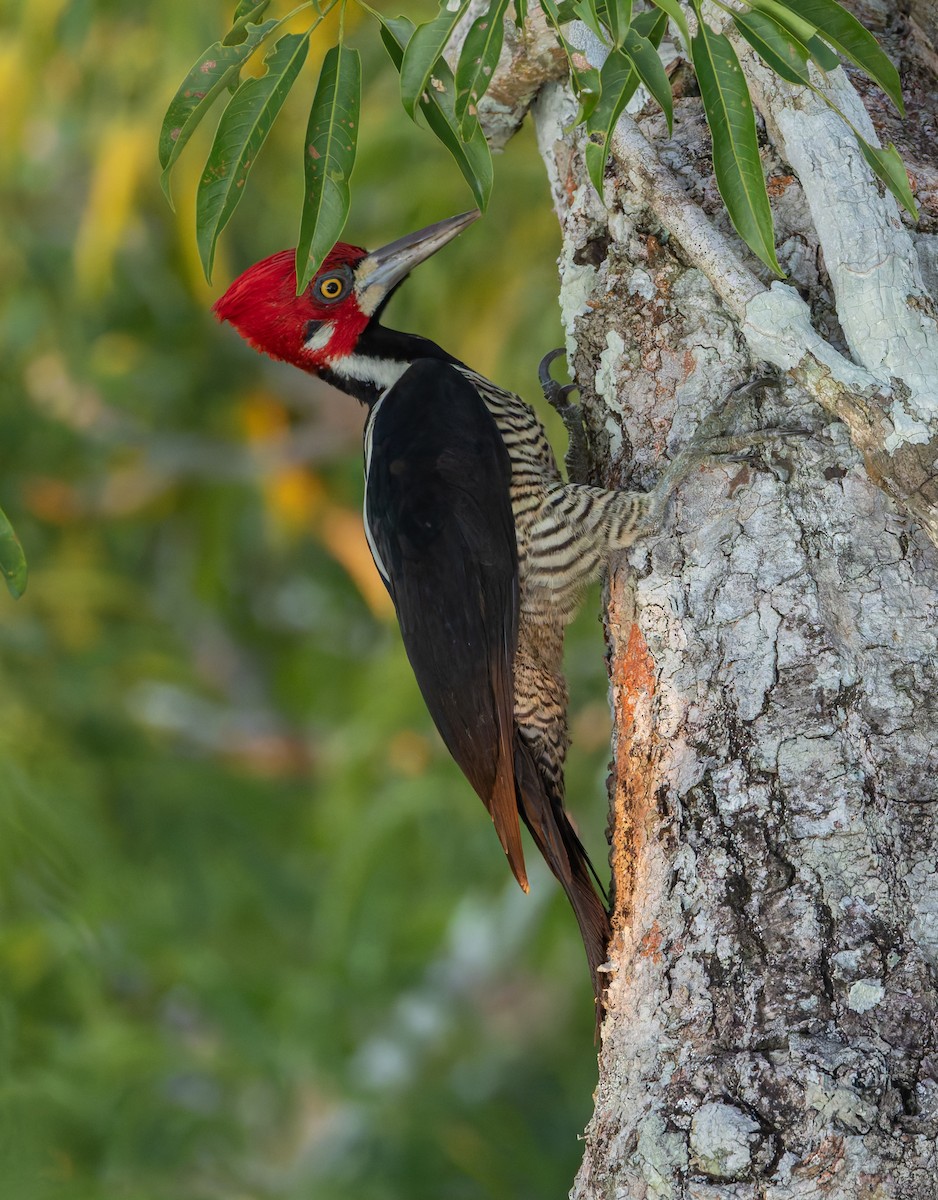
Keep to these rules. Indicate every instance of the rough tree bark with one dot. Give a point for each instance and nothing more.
(773, 653)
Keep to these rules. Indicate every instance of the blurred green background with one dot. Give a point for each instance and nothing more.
(257, 936)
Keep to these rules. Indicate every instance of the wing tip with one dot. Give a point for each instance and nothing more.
(519, 872)
(511, 844)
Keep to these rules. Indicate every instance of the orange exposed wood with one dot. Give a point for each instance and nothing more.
(636, 765)
(650, 945)
(777, 185)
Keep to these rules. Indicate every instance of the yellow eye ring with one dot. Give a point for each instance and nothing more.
(331, 288)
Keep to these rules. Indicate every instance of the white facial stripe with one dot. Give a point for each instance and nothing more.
(321, 338)
(364, 269)
(368, 297)
(382, 372)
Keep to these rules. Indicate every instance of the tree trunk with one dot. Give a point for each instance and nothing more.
(773, 660)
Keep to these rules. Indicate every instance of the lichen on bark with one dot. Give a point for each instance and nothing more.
(773, 664)
(775, 778)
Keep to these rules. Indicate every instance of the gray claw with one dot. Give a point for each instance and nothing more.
(543, 370)
(554, 392)
(759, 383)
(577, 457)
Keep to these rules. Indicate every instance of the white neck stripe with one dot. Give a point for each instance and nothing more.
(383, 372)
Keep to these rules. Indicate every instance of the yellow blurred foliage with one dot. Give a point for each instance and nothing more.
(297, 502)
(294, 496)
(125, 150)
(186, 175)
(343, 536)
(14, 96)
(262, 417)
(52, 387)
(115, 353)
(39, 17)
(20, 76)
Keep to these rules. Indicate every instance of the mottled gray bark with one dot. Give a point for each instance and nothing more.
(773, 658)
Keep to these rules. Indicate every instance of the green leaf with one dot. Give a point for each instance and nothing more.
(208, 77)
(331, 140)
(478, 59)
(12, 558)
(423, 51)
(247, 13)
(583, 78)
(245, 8)
(847, 35)
(521, 12)
(471, 153)
(778, 49)
(803, 30)
(651, 24)
(618, 82)
(241, 133)
(822, 54)
(585, 11)
(786, 55)
(618, 16)
(585, 82)
(651, 72)
(676, 13)
(736, 161)
(890, 168)
(792, 21)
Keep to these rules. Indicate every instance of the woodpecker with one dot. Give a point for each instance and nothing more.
(482, 545)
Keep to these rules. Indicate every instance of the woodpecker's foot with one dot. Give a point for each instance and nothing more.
(577, 456)
(713, 441)
(752, 387)
(715, 425)
(743, 445)
(712, 438)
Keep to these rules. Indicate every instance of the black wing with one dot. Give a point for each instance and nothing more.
(440, 526)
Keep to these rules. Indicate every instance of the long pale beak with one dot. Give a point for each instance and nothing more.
(385, 268)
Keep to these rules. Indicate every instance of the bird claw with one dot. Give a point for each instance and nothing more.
(752, 387)
(743, 447)
(714, 427)
(577, 456)
(713, 440)
(554, 392)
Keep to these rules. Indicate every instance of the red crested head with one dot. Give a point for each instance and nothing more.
(320, 330)
(323, 322)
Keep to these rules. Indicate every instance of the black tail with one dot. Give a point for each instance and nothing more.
(555, 837)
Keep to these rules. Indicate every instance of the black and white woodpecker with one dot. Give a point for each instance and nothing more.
(483, 546)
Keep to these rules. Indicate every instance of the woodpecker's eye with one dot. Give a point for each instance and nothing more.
(331, 288)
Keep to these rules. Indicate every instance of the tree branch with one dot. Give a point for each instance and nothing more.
(887, 398)
(530, 58)
(883, 307)
(777, 326)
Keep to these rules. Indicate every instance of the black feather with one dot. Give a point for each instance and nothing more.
(438, 512)
(439, 518)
